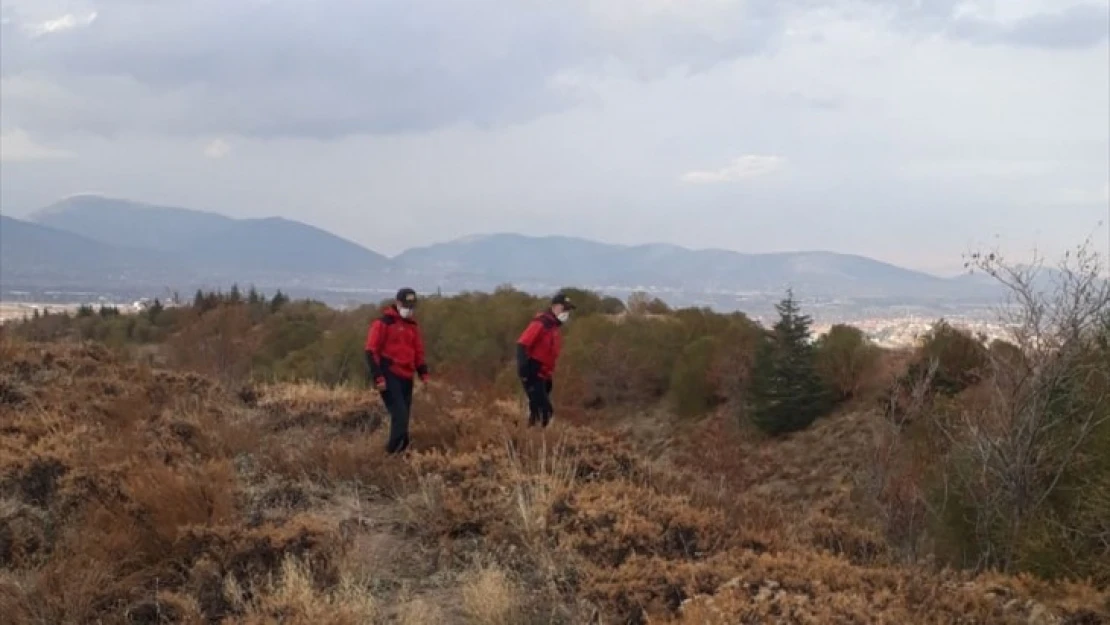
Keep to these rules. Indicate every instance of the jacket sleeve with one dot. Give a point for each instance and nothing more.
(526, 340)
(373, 343)
(421, 364)
(530, 334)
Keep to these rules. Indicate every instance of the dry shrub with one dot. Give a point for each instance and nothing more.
(176, 499)
(419, 611)
(219, 343)
(166, 607)
(293, 596)
(608, 523)
(845, 539)
(163, 496)
(489, 596)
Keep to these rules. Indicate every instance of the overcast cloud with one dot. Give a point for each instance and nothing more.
(898, 129)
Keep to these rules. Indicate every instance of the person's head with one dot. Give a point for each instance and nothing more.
(561, 307)
(405, 302)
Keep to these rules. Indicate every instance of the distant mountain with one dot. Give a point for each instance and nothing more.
(131, 224)
(97, 241)
(35, 254)
(208, 246)
(565, 260)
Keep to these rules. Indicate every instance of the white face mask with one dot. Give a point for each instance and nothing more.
(563, 317)
(405, 312)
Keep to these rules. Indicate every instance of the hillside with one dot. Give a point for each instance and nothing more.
(124, 223)
(208, 247)
(35, 254)
(559, 260)
(137, 495)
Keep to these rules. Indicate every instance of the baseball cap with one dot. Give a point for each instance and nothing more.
(407, 296)
(564, 299)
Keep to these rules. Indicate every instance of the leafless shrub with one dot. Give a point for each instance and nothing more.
(1014, 449)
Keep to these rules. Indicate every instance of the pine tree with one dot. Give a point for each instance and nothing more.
(787, 394)
(279, 300)
(154, 310)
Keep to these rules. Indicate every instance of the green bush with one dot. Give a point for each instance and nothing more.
(626, 361)
(961, 358)
(692, 392)
(845, 360)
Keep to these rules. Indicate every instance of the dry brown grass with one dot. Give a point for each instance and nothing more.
(489, 596)
(130, 495)
(293, 596)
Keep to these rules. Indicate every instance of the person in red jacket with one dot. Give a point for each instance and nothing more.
(537, 351)
(395, 355)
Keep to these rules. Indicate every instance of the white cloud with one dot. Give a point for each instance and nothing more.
(742, 168)
(218, 148)
(66, 22)
(16, 145)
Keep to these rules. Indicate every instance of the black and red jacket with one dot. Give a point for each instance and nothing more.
(394, 344)
(538, 347)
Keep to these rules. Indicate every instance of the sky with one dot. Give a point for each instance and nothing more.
(912, 131)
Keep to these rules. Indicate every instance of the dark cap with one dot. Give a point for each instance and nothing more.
(407, 296)
(562, 298)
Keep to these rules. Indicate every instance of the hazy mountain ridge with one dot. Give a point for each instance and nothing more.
(35, 254)
(564, 259)
(156, 243)
(196, 247)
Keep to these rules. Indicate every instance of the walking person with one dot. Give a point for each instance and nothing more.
(537, 351)
(395, 355)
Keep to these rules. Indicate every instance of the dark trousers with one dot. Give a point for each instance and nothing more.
(540, 409)
(397, 397)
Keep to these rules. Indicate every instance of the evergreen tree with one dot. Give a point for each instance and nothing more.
(786, 394)
(279, 300)
(154, 310)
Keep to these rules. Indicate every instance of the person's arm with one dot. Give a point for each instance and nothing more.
(421, 365)
(526, 340)
(373, 358)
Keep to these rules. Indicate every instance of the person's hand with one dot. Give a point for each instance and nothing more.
(380, 384)
(424, 379)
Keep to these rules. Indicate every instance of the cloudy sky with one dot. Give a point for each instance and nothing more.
(907, 130)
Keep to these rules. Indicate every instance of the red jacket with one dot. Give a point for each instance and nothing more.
(394, 343)
(540, 343)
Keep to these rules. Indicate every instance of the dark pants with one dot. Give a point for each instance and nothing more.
(539, 401)
(398, 399)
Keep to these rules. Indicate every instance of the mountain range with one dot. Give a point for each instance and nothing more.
(99, 242)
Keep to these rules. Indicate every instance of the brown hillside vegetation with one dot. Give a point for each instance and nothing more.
(130, 494)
